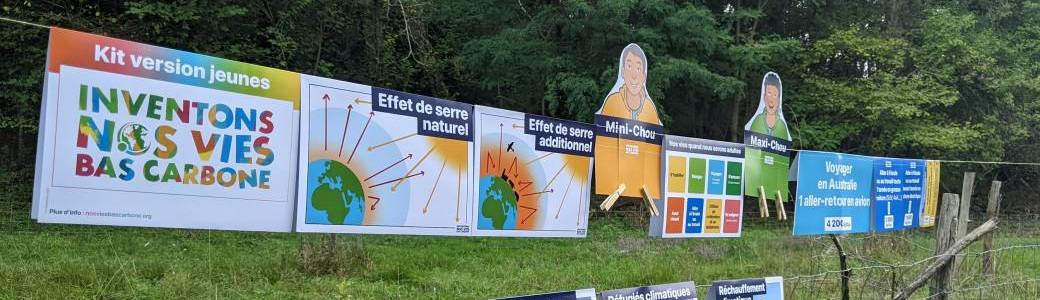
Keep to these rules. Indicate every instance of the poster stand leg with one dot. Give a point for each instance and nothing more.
(609, 202)
(650, 202)
(781, 211)
(763, 206)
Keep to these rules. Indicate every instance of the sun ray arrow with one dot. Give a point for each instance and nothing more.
(536, 159)
(437, 181)
(458, 195)
(537, 193)
(564, 198)
(533, 210)
(491, 163)
(500, 143)
(394, 187)
(326, 98)
(525, 184)
(390, 142)
(581, 203)
(373, 207)
(370, 115)
(512, 167)
(397, 179)
(343, 139)
(554, 177)
(390, 166)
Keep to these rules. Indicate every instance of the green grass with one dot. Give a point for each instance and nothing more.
(55, 261)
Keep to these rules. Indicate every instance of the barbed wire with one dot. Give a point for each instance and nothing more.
(915, 263)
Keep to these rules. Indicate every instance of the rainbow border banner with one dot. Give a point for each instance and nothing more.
(138, 135)
(95, 52)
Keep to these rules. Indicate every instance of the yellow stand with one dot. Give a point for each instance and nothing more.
(609, 202)
(650, 202)
(763, 206)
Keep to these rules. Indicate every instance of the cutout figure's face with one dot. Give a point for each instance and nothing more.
(633, 73)
(772, 99)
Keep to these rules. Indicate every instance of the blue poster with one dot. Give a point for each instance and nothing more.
(913, 191)
(888, 195)
(769, 288)
(582, 294)
(898, 191)
(671, 291)
(833, 194)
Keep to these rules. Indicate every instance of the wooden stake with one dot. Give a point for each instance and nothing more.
(763, 205)
(964, 213)
(650, 202)
(989, 265)
(609, 202)
(781, 211)
(846, 273)
(945, 230)
(945, 259)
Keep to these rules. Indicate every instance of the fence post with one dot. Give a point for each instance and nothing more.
(945, 232)
(964, 213)
(945, 259)
(846, 273)
(989, 266)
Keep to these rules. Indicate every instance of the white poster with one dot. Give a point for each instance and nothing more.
(534, 175)
(703, 184)
(381, 161)
(138, 135)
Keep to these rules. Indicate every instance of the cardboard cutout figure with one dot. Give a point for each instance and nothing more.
(768, 140)
(629, 133)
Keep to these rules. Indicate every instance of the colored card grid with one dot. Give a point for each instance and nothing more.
(704, 189)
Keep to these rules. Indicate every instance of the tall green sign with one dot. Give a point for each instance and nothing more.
(768, 143)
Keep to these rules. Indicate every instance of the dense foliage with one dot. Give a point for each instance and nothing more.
(904, 78)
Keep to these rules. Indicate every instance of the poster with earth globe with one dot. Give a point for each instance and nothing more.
(534, 175)
(380, 161)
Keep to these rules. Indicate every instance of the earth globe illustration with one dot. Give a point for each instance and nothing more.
(132, 139)
(497, 204)
(339, 193)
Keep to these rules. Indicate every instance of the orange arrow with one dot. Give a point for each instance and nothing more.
(536, 159)
(554, 178)
(394, 187)
(564, 198)
(390, 142)
(434, 189)
(458, 195)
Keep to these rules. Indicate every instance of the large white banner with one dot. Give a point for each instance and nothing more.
(137, 135)
(534, 175)
(381, 161)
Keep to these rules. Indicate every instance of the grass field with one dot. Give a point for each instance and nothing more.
(54, 261)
